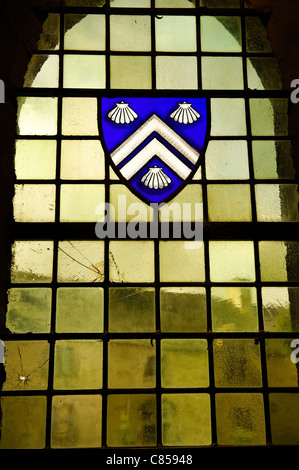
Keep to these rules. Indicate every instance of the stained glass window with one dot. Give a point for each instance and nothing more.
(145, 342)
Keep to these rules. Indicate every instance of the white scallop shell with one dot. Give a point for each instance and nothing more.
(185, 114)
(122, 113)
(155, 178)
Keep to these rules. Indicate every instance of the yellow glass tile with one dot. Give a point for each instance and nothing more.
(84, 71)
(272, 159)
(185, 207)
(79, 116)
(284, 417)
(239, 208)
(228, 117)
(277, 202)
(50, 37)
(130, 3)
(130, 33)
(32, 261)
(269, 116)
(34, 202)
(82, 160)
(169, 37)
(232, 261)
(175, 3)
(263, 73)
(126, 207)
(281, 371)
(131, 261)
(220, 3)
(220, 34)
(42, 72)
(176, 72)
(37, 116)
(280, 307)
(279, 261)
(35, 159)
(222, 73)
(256, 35)
(186, 266)
(227, 159)
(84, 33)
(79, 202)
(131, 72)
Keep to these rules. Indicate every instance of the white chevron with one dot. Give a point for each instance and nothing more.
(155, 148)
(154, 124)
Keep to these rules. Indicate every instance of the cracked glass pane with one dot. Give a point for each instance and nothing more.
(32, 261)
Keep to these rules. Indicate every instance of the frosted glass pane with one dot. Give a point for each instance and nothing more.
(169, 35)
(281, 371)
(277, 202)
(79, 116)
(37, 116)
(130, 33)
(82, 160)
(82, 71)
(131, 261)
(284, 418)
(239, 209)
(269, 116)
(175, 3)
(176, 72)
(42, 72)
(234, 111)
(232, 261)
(130, 72)
(34, 202)
(186, 266)
(130, 3)
(222, 73)
(263, 73)
(35, 159)
(220, 34)
(280, 309)
(256, 36)
(84, 32)
(227, 159)
(272, 159)
(279, 261)
(32, 261)
(79, 202)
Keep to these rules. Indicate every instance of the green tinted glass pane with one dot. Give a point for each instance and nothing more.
(26, 365)
(130, 72)
(234, 111)
(130, 3)
(263, 73)
(186, 266)
(277, 202)
(234, 309)
(84, 71)
(239, 209)
(131, 261)
(220, 3)
(222, 73)
(272, 159)
(131, 420)
(186, 419)
(237, 363)
(184, 363)
(284, 416)
(79, 116)
(131, 309)
(42, 72)
(82, 160)
(78, 364)
(281, 371)
(269, 116)
(169, 33)
(34, 202)
(131, 363)
(84, 32)
(183, 309)
(280, 309)
(175, 72)
(232, 261)
(79, 309)
(130, 33)
(80, 261)
(23, 422)
(175, 3)
(29, 310)
(78, 202)
(35, 159)
(49, 38)
(37, 116)
(76, 421)
(32, 261)
(279, 261)
(240, 419)
(220, 34)
(256, 36)
(227, 159)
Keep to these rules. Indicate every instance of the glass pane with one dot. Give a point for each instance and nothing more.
(277, 202)
(227, 159)
(240, 419)
(269, 116)
(127, 207)
(169, 35)
(26, 365)
(131, 261)
(23, 422)
(29, 310)
(220, 34)
(37, 116)
(175, 210)
(279, 261)
(280, 309)
(49, 38)
(131, 420)
(192, 412)
(34, 202)
(42, 72)
(84, 32)
(272, 159)
(132, 309)
(130, 72)
(284, 418)
(186, 266)
(237, 363)
(263, 73)
(232, 261)
(131, 363)
(82, 160)
(84, 3)
(80, 261)
(239, 209)
(176, 72)
(234, 111)
(76, 421)
(220, 3)
(175, 3)
(184, 363)
(130, 3)
(78, 202)
(130, 33)
(281, 371)
(256, 36)
(84, 71)
(183, 309)
(79, 116)
(234, 309)
(35, 159)
(79, 310)
(222, 73)
(78, 364)
(32, 261)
